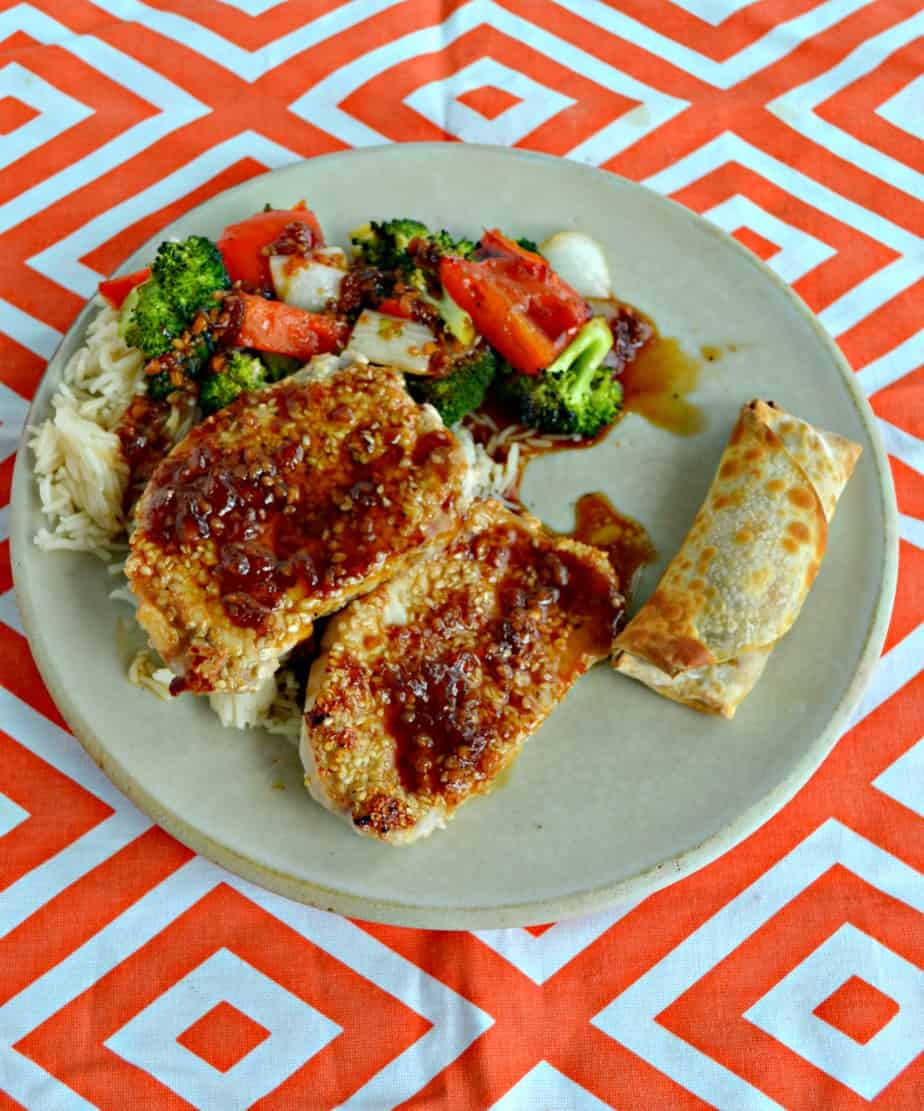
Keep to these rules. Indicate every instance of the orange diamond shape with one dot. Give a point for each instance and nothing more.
(14, 114)
(60, 810)
(489, 101)
(857, 1009)
(223, 1036)
(761, 247)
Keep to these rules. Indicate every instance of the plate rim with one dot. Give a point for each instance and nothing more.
(529, 912)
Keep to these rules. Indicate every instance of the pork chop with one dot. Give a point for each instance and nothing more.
(427, 688)
(279, 509)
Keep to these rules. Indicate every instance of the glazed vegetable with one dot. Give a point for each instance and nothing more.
(184, 278)
(115, 290)
(575, 394)
(280, 328)
(245, 247)
(186, 360)
(455, 320)
(311, 282)
(239, 373)
(279, 366)
(160, 385)
(410, 253)
(189, 273)
(580, 261)
(386, 244)
(393, 341)
(461, 391)
(148, 321)
(516, 301)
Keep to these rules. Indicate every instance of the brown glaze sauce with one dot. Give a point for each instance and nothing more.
(626, 542)
(360, 285)
(657, 374)
(144, 442)
(296, 238)
(448, 737)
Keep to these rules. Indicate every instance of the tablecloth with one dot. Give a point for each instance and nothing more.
(790, 973)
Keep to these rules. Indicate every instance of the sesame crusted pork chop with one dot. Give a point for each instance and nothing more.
(279, 509)
(427, 688)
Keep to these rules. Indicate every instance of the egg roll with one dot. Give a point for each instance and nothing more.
(745, 567)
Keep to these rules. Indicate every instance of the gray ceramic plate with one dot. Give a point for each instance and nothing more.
(621, 791)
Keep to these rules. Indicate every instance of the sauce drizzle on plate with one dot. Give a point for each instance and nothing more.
(626, 541)
(656, 373)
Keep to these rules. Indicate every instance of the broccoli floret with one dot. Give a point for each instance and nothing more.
(189, 273)
(160, 386)
(185, 277)
(385, 243)
(528, 244)
(186, 361)
(279, 366)
(149, 321)
(575, 394)
(240, 373)
(446, 245)
(461, 391)
(196, 352)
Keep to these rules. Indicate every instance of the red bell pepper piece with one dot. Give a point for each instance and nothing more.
(284, 329)
(115, 290)
(516, 301)
(494, 244)
(393, 306)
(242, 244)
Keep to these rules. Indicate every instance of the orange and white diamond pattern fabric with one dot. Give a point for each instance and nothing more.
(788, 974)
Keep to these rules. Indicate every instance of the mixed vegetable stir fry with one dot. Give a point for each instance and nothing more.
(530, 327)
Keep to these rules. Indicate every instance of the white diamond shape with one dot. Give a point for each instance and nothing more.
(437, 102)
(545, 1087)
(713, 11)
(785, 1012)
(56, 112)
(254, 7)
(906, 108)
(13, 410)
(799, 252)
(904, 779)
(297, 1033)
(11, 815)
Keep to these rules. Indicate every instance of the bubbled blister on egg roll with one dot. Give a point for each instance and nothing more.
(752, 553)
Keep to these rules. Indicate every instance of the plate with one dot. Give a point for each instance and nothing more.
(621, 791)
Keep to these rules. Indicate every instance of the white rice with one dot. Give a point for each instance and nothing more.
(488, 477)
(275, 707)
(78, 462)
(505, 453)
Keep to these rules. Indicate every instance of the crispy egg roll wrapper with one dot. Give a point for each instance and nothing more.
(752, 553)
